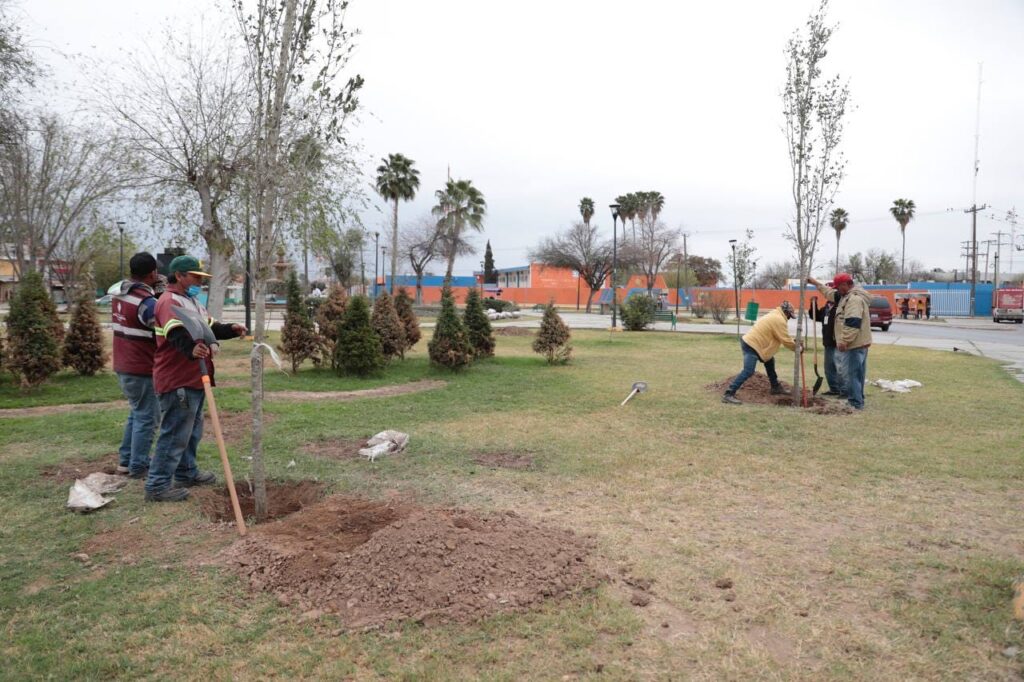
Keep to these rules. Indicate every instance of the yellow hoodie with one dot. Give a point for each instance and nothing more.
(768, 334)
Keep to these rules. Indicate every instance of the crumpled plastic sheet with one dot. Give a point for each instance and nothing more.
(385, 443)
(87, 494)
(897, 385)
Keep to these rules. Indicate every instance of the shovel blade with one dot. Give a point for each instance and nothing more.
(817, 385)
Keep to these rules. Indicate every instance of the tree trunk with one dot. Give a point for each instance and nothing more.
(394, 249)
(837, 255)
(903, 257)
(267, 196)
(590, 298)
(419, 289)
(218, 246)
(220, 268)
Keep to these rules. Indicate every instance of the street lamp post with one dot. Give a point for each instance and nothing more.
(120, 228)
(679, 262)
(615, 260)
(383, 263)
(735, 284)
(376, 257)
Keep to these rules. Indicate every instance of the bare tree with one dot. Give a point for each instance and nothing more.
(420, 244)
(296, 53)
(582, 249)
(742, 266)
(654, 244)
(813, 109)
(186, 110)
(53, 177)
(776, 275)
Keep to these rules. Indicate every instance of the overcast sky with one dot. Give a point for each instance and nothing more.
(543, 102)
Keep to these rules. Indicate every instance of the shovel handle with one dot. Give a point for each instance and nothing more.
(628, 397)
(228, 478)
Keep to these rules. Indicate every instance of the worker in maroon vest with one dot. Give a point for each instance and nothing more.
(132, 312)
(179, 386)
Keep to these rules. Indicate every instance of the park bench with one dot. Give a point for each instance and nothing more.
(665, 316)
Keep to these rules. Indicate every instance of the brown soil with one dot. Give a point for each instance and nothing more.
(44, 410)
(283, 498)
(69, 470)
(518, 461)
(372, 563)
(335, 448)
(757, 390)
(382, 392)
(514, 331)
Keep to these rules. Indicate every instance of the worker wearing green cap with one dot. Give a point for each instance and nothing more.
(178, 384)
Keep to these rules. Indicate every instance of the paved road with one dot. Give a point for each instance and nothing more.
(1003, 342)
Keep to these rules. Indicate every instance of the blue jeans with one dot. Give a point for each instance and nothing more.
(142, 422)
(835, 383)
(750, 360)
(853, 368)
(180, 433)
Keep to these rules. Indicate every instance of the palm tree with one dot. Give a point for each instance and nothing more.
(396, 179)
(459, 205)
(839, 220)
(629, 206)
(903, 211)
(656, 202)
(587, 210)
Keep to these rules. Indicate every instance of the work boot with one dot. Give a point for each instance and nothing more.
(141, 473)
(168, 495)
(731, 399)
(779, 390)
(122, 470)
(201, 478)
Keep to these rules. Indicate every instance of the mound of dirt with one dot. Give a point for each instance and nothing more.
(283, 498)
(518, 461)
(69, 470)
(372, 563)
(514, 331)
(335, 448)
(757, 390)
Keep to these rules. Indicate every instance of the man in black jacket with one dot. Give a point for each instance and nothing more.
(827, 316)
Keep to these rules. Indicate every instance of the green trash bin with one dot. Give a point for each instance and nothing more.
(752, 308)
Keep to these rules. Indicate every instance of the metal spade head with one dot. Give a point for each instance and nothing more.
(640, 386)
(195, 325)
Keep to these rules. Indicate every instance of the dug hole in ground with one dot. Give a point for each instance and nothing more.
(757, 390)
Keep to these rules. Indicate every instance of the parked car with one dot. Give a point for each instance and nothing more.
(104, 301)
(881, 313)
(1009, 306)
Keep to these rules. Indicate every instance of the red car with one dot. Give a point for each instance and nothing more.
(881, 313)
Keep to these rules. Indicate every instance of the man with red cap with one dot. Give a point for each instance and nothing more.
(852, 333)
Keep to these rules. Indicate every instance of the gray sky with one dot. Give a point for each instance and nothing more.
(541, 103)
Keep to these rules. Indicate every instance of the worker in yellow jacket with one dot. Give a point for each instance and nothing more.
(761, 344)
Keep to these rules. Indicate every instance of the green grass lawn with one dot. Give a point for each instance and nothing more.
(879, 545)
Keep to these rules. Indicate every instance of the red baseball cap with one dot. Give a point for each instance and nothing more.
(842, 278)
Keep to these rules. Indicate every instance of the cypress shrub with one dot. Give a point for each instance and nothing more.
(403, 306)
(638, 313)
(388, 326)
(552, 340)
(478, 326)
(83, 345)
(450, 345)
(299, 340)
(33, 347)
(358, 349)
(328, 315)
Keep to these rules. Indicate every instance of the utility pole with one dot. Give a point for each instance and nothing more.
(973, 210)
(974, 198)
(1011, 217)
(999, 248)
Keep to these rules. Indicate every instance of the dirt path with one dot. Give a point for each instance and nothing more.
(382, 392)
(43, 410)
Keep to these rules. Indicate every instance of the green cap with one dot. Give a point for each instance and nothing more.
(189, 264)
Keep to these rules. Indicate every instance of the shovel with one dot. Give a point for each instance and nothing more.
(200, 332)
(814, 322)
(638, 387)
